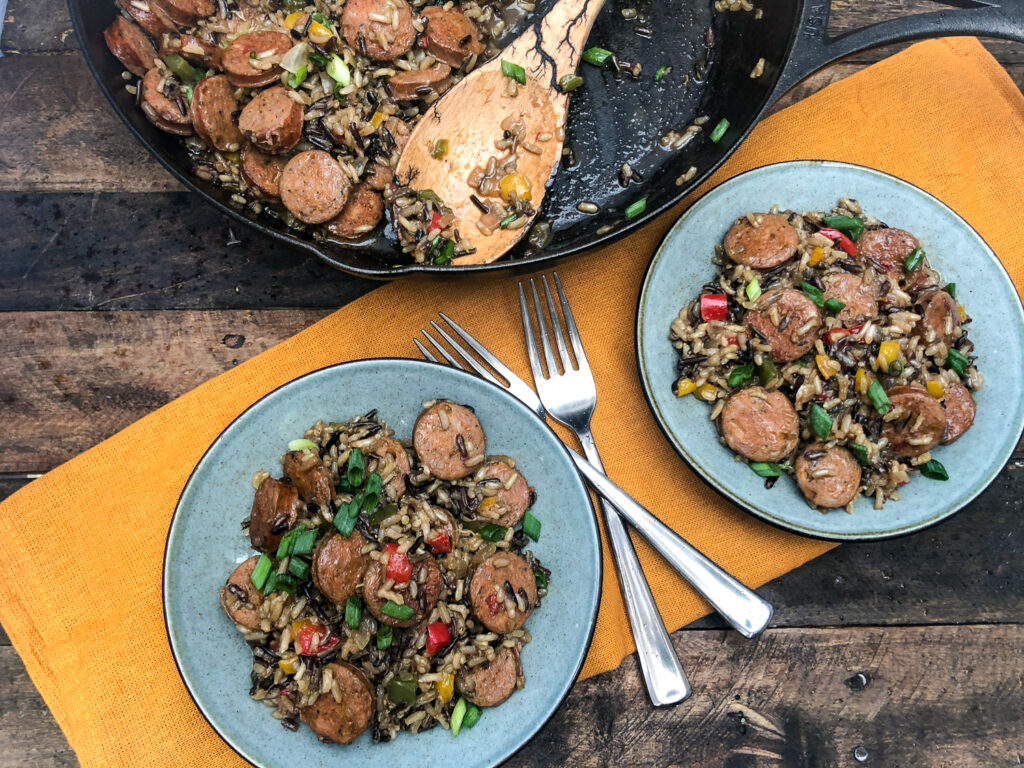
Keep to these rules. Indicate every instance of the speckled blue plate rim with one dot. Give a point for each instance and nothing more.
(592, 529)
(704, 472)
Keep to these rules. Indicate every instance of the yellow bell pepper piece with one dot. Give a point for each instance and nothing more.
(317, 32)
(825, 365)
(289, 664)
(861, 381)
(935, 389)
(515, 183)
(292, 19)
(445, 688)
(707, 392)
(488, 502)
(888, 353)
(816, 255)
(377, 119)
(684, 387)
(963, 312)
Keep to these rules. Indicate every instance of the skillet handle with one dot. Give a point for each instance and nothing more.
(814, 49)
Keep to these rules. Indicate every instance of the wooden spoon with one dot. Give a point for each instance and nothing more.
(469, 117)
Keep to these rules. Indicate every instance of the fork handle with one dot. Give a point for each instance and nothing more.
(736, 603)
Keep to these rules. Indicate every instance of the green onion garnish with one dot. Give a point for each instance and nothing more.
(878, 398)
(181, 68)
(472, 715)
(188, 93)
(304, 540)
(457, 716)
(396, 611)
(851, 226)
(833, 305)
(508, 220)
(813, 293)
(447, 251)
(302, 444)
(384, 636)
(766, 371)
(766, 469)
(280, 582)
(261, 571)
(934, 470)
(318, 58)
(319, 18)
(956, 361)
(338, 71)
(440, 149)
(345, 517)
(719, 130)
(402, 688)
(353, 611)
(895, 368)
(295, 79)
(517, 73)
(356, 468)
(753, 289)
(913, 261)
(635, 209)
(663, 70)
(531, 526)
(950, 289)
(493, 532)
(740, 375)
(299, 568)
(821, 422)
(570, 83)
(861, 452)
(597, 56)
(284, 548)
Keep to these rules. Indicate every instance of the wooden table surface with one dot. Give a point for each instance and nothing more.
(120, 291)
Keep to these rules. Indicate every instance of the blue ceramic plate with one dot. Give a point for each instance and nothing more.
(683, 263)
(205, 543)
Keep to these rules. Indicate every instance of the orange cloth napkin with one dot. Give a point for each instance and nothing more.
(83, 608)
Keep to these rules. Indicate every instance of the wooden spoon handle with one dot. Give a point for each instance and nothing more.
(551, 47)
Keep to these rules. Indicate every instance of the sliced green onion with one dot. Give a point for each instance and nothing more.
(402, 688)
(895, 368)
(934, 470)
(356, 468)
(956, 361)
(517, 73)
(508, 220)
(338, 71)
(427, 194)
(353, 611)
(457, 716)
(851, 226)
(188, 93)
(821, 422)
(597, 56)
(635, 209)
(950, 289)
(540, 579)
(299, 568)
(472, 716)
(570, 83)
(493, 532)
(753, 289)
(719, 130)
(766, 371)
(295, 79)
(813, 293)
(396, 611)
(371, 496)
(531, 526)
(878, 398)
(833, 305)
(281, 582)
(740, 375)
(345, 517)
(284, 547)
(319, 18)
(181, 68)
(302, 444)
(271, 584)
(384, 636)
(447, 251)
(261, 571)
(304, 540)
(318, 58)
(913, 261)
(663, 70)
(766, 469)
(440, 149)
(861, 452)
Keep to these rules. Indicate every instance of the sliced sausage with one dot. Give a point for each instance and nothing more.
(940, 317)
(260, 68)
(131, 46)
(406, 85)
(380, 172)
(488, 685)
(449, 440)
(509, 505)
(261, 170)
(311, 479)
(960, 410)
(760, 425)
(313, 187)
(860, 298)
(919, 422)
(213, 107)
(429, 583)
(171, 115)
(185, 12)
(771, 242)
(451, 36)
(339, 565)
(828, 477)
(362, 213)
(787, 320)
(272, 120)
(380, 40)
(149, 17)
(239, 597)
(393, 465)
(191, 48)
(886, 249)
(499, 586)
(274, 510)
(341, 722)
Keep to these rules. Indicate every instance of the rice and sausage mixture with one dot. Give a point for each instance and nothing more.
(829, 349)
(393, 582)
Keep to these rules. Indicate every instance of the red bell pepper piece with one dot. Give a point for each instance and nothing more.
(438, 637)
(835, 334)
(733, 340)
(441, 543)
(435, 222)
(306, 639)
(714, 306)
(399, 569)
(493, 603)
(838, 238)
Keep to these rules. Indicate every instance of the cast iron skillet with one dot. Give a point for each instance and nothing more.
(612, 119)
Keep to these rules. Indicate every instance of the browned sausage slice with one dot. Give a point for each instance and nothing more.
(339, 565)
(828, 477)
(213, 107)
(343, 713)
(886, 249)
(503, 592)
(393, 464)
(940, 317)
(131, 46)
(490, 684)
(960, 410)
(309, 476)
(860, 298)
(916, 422)
(262, 171)
(191, 48)
(429, 583)
(793, 333)
(274, 510)
(449, 440)
(406, 85)
(510, 504)
(272, 120)
(261, 68)
(760, 425)
(381, 29)
(361, 215)
(239, 597)
(171, 115)
(313, 187)
(451, 36)
(771, 242)
(184, 12)
(149, 17)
